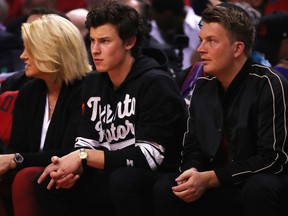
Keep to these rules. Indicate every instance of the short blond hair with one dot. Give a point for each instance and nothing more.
(57, 47)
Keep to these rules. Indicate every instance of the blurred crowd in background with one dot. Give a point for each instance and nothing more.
(173, 27)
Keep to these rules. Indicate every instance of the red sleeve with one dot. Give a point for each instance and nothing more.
(7, 100)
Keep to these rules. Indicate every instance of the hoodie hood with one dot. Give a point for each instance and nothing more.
(150, 59)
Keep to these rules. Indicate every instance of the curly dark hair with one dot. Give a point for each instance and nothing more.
(126, 19)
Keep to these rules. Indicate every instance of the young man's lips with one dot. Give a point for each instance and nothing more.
(204, 61)
(97, 61)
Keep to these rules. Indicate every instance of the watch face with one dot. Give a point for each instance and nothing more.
(83, 154)
(18, 158)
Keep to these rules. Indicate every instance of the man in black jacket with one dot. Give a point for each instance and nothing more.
(235, 149)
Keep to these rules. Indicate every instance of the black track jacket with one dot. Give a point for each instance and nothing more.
(254, 113)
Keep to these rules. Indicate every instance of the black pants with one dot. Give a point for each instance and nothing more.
(261, 194)
(131, 191)
(89, 196)
(124, 192)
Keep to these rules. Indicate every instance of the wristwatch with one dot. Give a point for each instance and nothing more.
(18, 158)
(83, 156)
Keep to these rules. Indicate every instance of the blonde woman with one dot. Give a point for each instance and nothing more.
(48, 108)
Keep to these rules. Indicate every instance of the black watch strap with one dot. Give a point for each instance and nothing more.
(83, 156)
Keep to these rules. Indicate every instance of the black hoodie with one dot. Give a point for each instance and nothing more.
(141, 123)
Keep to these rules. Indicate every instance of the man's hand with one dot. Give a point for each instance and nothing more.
(6, 163)
(64, 171)
(67, 181)
(191, 184)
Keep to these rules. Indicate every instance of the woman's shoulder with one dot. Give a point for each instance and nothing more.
(32, 87)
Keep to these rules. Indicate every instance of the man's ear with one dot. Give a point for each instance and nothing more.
(239, 48)
(130, 42)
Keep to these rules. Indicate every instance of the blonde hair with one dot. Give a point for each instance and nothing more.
(57, 47)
